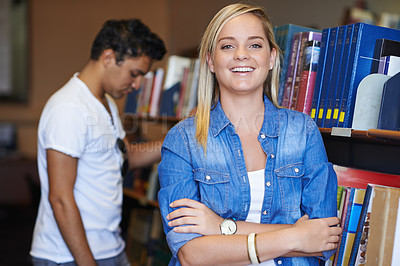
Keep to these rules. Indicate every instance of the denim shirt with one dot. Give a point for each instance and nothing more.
(298, 177)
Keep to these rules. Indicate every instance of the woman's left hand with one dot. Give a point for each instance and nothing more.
(194, 217)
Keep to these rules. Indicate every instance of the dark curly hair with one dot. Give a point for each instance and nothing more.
(127, 38)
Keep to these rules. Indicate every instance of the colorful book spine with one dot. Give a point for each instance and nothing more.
(342, 76)
(308, 75)
(337, 60)
(320, 73)
(305, 37)
(327, 76)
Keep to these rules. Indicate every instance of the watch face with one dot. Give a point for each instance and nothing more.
(228, 227)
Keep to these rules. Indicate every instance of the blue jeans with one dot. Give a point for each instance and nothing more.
(119, 260)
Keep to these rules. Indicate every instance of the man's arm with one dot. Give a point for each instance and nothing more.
(143, 154)
(62, 171)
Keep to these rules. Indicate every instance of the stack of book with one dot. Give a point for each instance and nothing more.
(368, 206)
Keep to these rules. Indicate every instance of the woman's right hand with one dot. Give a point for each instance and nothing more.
(317, 235)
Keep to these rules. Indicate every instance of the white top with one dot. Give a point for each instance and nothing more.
(74, 122)
(257, 188)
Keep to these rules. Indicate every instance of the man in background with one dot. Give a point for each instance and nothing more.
(81, 151)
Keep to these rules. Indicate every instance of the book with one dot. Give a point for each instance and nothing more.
(357, 256)
(307, 76)
(342, 75)
(389, 114)
(396, 242)
(330, 53)
(145, 93)
(349, 231)
(364, 43)
(305, 37)
(383, 48)
(344, 225)
(192, 102)
(291, 71)
(320, 73)
(131, 102)
(182, 92)
(368, 102)
(172, 84)
(382, 225)
(333, 83)
(154, 102)
(283, 36)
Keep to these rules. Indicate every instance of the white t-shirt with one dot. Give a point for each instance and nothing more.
(257, 188)
(74, 122)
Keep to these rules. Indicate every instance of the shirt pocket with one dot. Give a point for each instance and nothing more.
(290, 186)
(213, 189)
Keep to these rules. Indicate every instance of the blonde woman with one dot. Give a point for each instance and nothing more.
(245, 181)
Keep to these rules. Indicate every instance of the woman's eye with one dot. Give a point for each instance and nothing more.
(227, 46)
(255, 46)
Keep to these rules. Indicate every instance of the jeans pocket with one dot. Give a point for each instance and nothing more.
(290, 186)
(213, 189)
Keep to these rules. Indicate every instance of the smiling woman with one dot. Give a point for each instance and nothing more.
(234, 188)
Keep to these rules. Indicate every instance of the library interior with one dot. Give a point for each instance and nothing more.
(340, 65)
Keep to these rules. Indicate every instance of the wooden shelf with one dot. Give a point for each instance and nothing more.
(374, 135)
(140, 197)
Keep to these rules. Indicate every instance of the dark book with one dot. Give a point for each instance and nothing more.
(333, 83)
(320, 73)
(384, 47)
(389, 114)
(342, 75)
(330, 54)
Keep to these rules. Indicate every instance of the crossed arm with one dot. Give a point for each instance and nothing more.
(305, 238)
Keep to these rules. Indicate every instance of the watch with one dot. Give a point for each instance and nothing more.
(228, 227)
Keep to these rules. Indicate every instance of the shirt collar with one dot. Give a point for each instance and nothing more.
(270, 127)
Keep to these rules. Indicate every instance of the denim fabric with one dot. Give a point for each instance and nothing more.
(120, 260)
(301, 180)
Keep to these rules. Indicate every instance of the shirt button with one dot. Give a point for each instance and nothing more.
(208, 177)
(272, 156)
(296, 170)
(262, 136)
(279, 262)
(268, 184)
(265, 212)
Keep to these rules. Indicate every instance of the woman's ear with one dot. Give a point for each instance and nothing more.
(272, 58)
(210, 62)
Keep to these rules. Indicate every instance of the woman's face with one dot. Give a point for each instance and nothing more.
(242, 56)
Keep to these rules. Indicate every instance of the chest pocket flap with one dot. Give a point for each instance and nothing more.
(210, 177)
(292, 170)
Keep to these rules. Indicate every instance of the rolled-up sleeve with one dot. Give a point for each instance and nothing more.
(319, 198)
(176, 182)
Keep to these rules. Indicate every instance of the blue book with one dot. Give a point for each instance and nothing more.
(169, 100)
(331, 91)
(363, 221)
(384, 47)
(342, 75)
(285, 35)
(131, 101)
(320, 73)
(330, 54)
(389, 114)
(361, 63)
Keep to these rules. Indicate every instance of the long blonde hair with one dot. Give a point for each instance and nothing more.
(208, 91)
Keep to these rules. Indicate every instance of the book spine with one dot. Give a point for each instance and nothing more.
(308, 75)
(342, 76)
(330, 97)
(305, 36)
(350, 65)
(291, 70)
(320, 73)
(327, 76)
(377, 55)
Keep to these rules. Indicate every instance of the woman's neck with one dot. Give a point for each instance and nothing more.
(246, 113)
